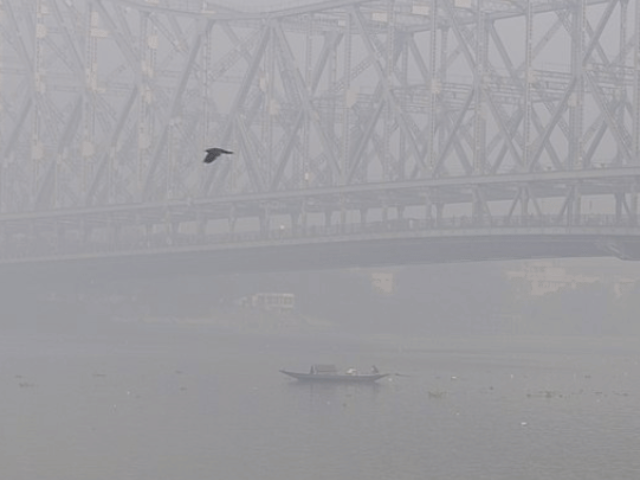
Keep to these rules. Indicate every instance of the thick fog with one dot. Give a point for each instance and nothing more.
(442, 207)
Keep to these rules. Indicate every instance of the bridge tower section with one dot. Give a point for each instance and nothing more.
(340, 114)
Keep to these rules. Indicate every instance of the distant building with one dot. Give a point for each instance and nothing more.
(270, 302)
(383, 282)
(543, 277)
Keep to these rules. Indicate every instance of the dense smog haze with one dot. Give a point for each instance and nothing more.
(412, 252)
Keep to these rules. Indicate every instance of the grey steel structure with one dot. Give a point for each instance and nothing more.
(474, 128)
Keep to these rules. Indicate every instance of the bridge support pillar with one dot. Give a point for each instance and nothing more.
(477, 213)
(300, 223)
(264, 224)
(201, 226)
(232, 223)
(385, 209)
(439, 213)
(577, 205)
(363, 215)
(428, 211)
(524, 202)
(633, 207)
(148, 230)
(620, 201)
(343, 213)
(327, 218)
(627, 205)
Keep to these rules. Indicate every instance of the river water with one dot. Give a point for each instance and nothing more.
(192, 403)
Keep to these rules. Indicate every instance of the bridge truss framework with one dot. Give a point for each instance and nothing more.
(340, 113)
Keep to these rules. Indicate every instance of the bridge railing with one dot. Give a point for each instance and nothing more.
(51, 246)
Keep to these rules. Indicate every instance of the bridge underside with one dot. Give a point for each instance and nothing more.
(312, 255)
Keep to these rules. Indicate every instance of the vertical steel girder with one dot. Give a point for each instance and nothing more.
(110, 102)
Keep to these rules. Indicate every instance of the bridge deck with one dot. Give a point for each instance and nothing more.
(408, 242)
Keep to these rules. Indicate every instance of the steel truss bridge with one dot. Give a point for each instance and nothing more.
(365, 132)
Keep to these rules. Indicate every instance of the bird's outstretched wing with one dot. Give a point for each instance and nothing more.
(213, 153)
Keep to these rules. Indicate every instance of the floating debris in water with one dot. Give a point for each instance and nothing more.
(545, 394)
(437, 394)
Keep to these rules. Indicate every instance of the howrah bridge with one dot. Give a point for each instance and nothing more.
(365, 132)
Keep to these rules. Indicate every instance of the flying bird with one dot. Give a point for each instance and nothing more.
(213, 153)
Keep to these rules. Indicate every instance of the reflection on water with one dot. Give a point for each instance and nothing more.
(164, 403)
(329, 395)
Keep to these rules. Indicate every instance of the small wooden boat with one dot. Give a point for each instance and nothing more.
(329, 373)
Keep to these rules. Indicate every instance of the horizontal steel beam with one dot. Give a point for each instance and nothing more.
(341, 253)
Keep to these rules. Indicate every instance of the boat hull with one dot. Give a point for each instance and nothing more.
(334, 377)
